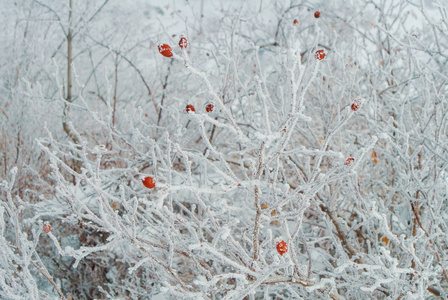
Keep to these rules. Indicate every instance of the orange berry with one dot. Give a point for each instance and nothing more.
(282, 248)
(320, 54)
(149, 182)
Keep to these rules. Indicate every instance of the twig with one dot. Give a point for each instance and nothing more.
(164, 90)
(50, 279)
(256, 239)
(341, 234)
(114, 110)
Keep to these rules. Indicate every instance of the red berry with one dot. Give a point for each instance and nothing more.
(356, 104)
(165, 50)
(189, 108)
(209, 108)
(47, 228)
(282, 248)
(320, 54)
(296, 22)
(183, 43)
(149, 182)
(317, 14)
(349, 161)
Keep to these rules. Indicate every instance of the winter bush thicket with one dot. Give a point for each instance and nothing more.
(344, 159)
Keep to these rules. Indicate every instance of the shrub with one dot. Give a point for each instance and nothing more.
(268, 159)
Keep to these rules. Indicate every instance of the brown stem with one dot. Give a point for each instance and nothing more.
(164, 90)
(115, 92)
(289, 279)
(50, 279)
(211, 136)
(69, 54)
(167, 268)
(3, 112)
(68, 99)
(431, 242)
(340, 232)
(183, 253)
(257, 224)
(433, 291)
(142, 78)
(256, 239)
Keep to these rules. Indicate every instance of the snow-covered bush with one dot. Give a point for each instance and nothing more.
(282, 154)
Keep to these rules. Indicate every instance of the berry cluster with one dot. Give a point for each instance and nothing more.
(320, 54)
(316, 15)
(166, 50)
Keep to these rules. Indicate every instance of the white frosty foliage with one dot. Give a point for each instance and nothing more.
(343, 159)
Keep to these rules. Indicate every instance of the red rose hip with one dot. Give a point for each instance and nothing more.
(356, 104)
(183, 43)
(349, 161)
(282, 248)
(209, 108)
(165, 50)
(320, 54)
(189, 108)
(46, 228)
(149, 182)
